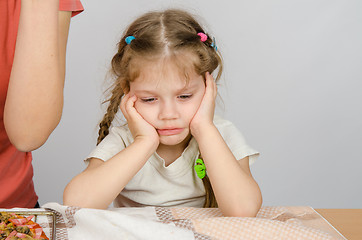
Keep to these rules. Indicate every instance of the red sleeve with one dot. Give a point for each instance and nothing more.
(71, 5)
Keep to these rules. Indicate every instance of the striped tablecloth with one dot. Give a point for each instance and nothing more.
(280, 222)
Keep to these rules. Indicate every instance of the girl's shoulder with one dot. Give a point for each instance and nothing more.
(235, 139)
(121, 129)
(221, 122)
(228, 130)
(119, 133)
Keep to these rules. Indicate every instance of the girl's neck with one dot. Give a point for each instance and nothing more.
(170, 153)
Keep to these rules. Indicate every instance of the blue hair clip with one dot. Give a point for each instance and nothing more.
(129, 39)
(213, 44)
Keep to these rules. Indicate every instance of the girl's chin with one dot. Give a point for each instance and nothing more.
(170, 142)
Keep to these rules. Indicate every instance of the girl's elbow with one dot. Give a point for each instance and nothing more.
(71, 198)
(252, 209)
(66, 199)
(75, 197)
(67, 196)
(244, 210)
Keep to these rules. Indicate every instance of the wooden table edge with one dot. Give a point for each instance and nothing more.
(347, 222)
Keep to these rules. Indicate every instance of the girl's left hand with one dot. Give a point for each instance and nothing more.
(204, 116)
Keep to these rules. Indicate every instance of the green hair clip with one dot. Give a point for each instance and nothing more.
(200, 168)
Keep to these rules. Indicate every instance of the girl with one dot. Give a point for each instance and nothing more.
(167, 95)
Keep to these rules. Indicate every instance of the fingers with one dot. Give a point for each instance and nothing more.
(127, 106)
(138, 126)
(123, 105)
(211, 88)
(205, 113)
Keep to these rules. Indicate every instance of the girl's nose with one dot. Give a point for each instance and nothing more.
(168, 110)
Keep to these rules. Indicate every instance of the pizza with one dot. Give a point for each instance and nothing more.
(13, 227)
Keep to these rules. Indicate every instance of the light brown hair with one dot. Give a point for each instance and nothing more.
(160, 34)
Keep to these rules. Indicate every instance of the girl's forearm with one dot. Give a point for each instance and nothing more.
(235, 190)
(35, 94)
(97, 187)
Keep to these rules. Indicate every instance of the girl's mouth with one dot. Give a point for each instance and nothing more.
(169, 131)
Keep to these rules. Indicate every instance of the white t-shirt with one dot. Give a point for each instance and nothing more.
(174, 185)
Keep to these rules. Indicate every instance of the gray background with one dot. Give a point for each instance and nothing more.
(292, 85)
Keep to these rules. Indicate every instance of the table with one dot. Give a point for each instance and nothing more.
(289, 222)
(347, 221)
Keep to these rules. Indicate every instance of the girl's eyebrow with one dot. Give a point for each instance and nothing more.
(188, 87)
(144, 91)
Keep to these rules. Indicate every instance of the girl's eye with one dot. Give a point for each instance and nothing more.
(148, 100)
(185, 96)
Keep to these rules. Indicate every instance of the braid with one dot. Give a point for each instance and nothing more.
(117, 92)
(114, 102)
(210, 200)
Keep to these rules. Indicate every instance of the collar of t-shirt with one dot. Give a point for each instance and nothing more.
(181, 165)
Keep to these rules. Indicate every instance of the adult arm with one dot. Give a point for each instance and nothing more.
(34, 100)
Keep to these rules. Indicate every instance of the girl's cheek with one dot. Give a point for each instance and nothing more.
(143, 109)
(140, 107)
(193, 108)
(137, 104)
(198, 101)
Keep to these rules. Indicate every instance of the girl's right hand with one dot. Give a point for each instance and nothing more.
(138, 126)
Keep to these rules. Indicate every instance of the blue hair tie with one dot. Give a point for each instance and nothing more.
(129, 39)
(213, 44)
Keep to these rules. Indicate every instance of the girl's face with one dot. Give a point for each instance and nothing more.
(167, 101)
